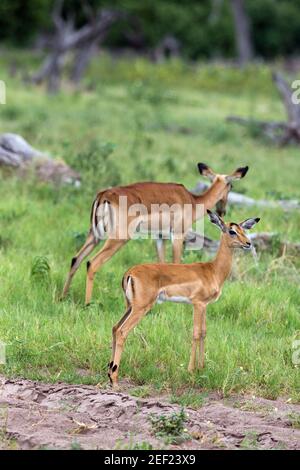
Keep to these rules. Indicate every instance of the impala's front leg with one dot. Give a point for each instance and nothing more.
(161, 249)
(199, 312)
(177, 249)
(196, 337)
(109, 249)
(201, 358)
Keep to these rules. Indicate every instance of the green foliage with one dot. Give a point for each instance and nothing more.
(40, 269)
(95, 164)
(278, 24)
(21, 19)
(170, 428)
(79, 238)
(294, 419)
(250, 441)
(201, 33)
(142, 446)
(133, 445)
(76, 446)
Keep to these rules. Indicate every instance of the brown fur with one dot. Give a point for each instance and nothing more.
(148, 193)
(199, 283)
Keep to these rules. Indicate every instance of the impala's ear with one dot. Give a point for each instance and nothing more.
(216, 220)
(248, 223)
(205, 170)
(237, 174)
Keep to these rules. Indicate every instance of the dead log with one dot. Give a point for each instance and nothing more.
(262, 242)
(273, 130)
(241, 200)
(195, 241)
(281, 133)
(16, 153)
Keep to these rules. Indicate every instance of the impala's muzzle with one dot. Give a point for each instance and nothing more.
(247, 246)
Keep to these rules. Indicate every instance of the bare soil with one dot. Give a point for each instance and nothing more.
(35, 415)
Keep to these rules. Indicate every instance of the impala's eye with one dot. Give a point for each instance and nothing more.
(232, 233)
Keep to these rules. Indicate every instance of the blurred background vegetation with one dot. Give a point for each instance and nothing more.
(203, 29)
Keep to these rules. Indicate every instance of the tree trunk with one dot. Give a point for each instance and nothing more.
(242, 31)
(67, 38)
(81, 61)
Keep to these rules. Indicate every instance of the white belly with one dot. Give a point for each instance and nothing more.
(162, 297)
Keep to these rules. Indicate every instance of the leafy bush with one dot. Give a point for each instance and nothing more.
(98, 170)
(40, 269)
(170, 427)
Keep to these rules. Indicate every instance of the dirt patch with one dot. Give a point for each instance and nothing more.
(35, 415)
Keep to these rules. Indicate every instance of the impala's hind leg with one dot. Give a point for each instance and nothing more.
(109, 248)
(86, 249)
(114, 330)
(120, 332)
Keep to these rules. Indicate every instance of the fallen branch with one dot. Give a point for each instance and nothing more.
(273, 130)
(262, 242)
(241, 200)
(16, 153)
(280, 132)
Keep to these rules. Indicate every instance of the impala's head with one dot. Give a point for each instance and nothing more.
(224, 183)
(235, 234)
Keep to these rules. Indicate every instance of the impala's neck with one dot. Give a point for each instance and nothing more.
(223, 261)
(211, 196)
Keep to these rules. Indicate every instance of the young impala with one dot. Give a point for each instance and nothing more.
(198, 284)
(107, 214)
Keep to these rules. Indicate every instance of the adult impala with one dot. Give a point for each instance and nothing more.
(106, 216)
(198, 284)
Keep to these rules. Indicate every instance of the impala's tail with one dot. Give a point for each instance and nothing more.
(101, 217)
(128, 287)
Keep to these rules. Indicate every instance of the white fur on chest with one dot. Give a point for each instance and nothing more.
(217, 296)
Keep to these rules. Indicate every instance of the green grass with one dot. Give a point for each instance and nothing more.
(114, 131)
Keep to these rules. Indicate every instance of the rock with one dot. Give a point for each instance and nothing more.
(15, 152)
